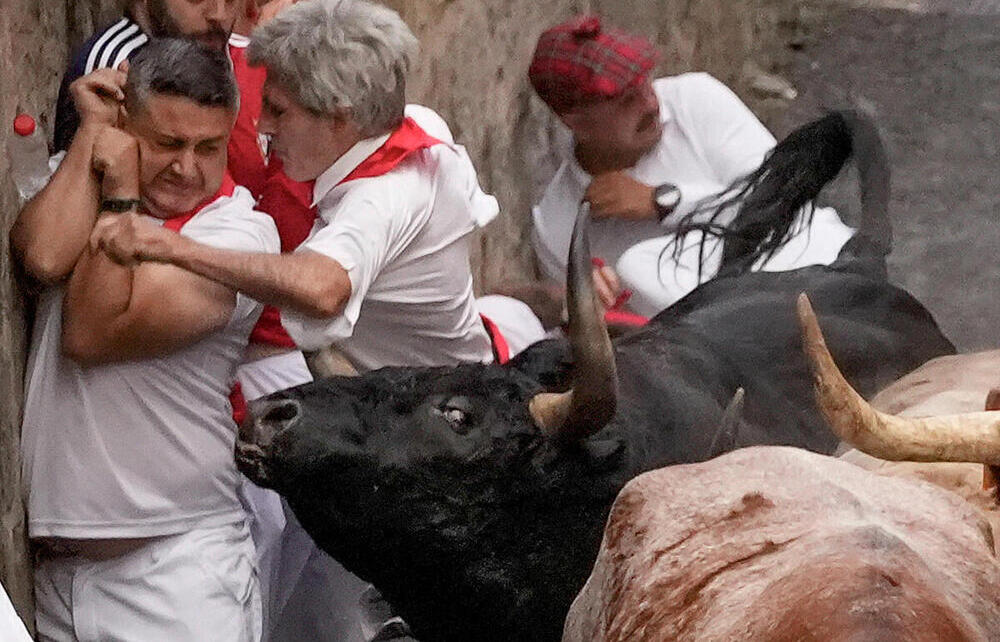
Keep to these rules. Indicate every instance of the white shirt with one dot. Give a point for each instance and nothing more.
(710, 139)
(404, 240)
(140, 448)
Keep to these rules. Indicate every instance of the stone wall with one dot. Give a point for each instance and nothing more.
(474, 58)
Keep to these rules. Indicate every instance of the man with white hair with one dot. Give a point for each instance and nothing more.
(384, 271)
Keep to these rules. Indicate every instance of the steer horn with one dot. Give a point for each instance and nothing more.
(590, 404)
(971, 437)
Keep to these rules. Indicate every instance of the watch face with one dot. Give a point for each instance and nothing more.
(668, 196)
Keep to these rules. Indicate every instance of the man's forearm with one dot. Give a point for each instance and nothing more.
(52, 229)
(306, 282)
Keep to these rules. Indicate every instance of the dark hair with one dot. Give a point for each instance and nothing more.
(183, 68)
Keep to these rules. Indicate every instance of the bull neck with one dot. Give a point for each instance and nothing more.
(346, 164)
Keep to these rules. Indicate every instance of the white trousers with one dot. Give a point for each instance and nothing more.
(658, 280)
(191, 587)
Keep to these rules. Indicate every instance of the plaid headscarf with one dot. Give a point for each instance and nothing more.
(579, 61)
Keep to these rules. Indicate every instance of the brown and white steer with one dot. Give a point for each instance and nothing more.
(774, 543)
(780, 544)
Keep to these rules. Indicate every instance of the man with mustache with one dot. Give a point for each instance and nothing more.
(645, 153)
(127, 434)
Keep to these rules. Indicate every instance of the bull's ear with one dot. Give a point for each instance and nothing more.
(726, 436)
(604, 454)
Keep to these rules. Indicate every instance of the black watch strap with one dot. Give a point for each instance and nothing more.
(120, 205)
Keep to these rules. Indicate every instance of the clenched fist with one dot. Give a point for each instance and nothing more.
(129, 239)
(618, 195)
(98, 95)
(115, 158)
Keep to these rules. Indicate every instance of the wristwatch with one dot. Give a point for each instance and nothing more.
(666, 197)
(120, 205)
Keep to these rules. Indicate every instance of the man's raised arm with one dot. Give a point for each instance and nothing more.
(52, 228)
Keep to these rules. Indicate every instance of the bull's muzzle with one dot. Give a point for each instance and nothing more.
(265, 419)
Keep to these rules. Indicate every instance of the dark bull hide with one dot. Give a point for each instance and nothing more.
(477, 507)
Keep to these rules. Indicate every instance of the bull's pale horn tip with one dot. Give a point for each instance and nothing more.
(808, 323)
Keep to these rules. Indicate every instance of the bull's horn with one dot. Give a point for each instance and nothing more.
(590, 405)
(972, 437)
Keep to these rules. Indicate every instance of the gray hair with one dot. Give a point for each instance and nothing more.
(337, 56)
(183, 68)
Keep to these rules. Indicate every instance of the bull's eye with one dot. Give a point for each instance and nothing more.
(456, 412)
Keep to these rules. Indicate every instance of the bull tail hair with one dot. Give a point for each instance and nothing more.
(776, 200)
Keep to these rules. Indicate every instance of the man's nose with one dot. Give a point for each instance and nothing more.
(185, 164)
(266, 124)
(649, 97)
(216, 13)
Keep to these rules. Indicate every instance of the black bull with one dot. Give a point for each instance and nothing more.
(477, 507)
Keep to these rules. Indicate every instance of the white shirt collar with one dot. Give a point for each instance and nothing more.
(344, 165)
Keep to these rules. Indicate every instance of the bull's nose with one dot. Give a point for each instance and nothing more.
(267, 417)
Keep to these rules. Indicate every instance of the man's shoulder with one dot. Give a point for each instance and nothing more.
(692, 84)
(108, 47)
(232, 222)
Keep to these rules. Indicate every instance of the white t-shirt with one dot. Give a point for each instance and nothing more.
(710, 139)
(403, 238)
(140, 448)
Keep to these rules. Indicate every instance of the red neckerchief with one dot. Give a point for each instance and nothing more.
(407, 139)
(226, 189)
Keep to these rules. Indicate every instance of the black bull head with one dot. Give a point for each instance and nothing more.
(475, 496)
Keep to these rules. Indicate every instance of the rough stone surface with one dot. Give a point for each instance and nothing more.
(472, 70)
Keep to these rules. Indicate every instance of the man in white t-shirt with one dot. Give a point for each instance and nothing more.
(645, 153)
(128, 434)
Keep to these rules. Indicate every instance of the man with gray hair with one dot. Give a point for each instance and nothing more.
(384, 271)
(128, 436)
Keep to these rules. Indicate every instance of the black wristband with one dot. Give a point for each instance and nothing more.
(120, 205)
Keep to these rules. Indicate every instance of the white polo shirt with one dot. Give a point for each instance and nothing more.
(710, 139)
(404, 239)
(140, 448)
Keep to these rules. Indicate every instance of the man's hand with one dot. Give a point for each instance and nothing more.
(128, 239)
(617, 195)
(99, 95)
(116, 159)
(608, 287)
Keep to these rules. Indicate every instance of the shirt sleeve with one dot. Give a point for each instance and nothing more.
(237, 227)
(363, 234)
(732, 139)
